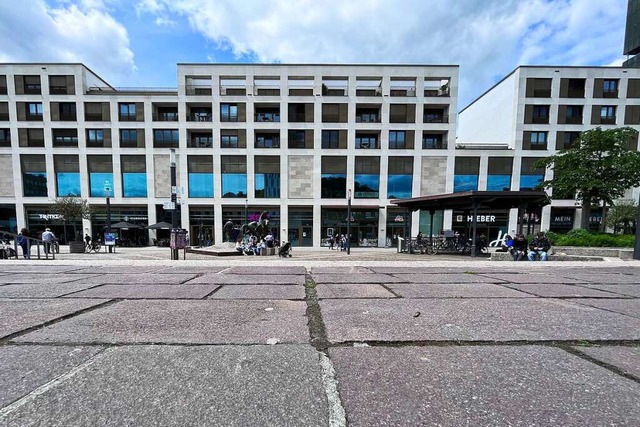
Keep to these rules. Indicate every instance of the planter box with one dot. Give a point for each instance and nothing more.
(76, 247)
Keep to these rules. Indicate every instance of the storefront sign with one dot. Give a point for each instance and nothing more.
(49, 217)
(109, 239)
(479, 218)
(399, 218)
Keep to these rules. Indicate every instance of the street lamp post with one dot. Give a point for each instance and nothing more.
(107, 192)
(246, 211)
(349, 222)
(174, 216)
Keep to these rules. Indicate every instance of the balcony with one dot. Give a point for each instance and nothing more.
(58, 90)
(167, 116)
(435, 118)
(198, 90)
(32, 89)
(267, 140)
(436, 87)
(402, 92)
(201, 142)
(267, 116)
(200, 117)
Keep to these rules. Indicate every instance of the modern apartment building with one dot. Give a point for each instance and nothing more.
(632, 34)
(293, 140)
(532, 113)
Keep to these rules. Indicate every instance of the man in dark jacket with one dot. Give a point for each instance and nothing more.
(519, 250)
(539, 247)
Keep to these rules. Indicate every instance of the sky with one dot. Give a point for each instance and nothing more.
(137, 43)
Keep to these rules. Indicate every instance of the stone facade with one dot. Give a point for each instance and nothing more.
(300, 177)
(434, 173)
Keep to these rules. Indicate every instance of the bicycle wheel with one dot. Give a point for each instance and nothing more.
(96, 247)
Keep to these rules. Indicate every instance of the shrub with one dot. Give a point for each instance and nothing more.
(580, 237)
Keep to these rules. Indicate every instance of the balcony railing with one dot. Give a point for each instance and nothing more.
(68, 117)
(367, 119)
(32, 89)
(34, 117)
(35, 142)
(58, 90)
(298, 118)
(575, 93)
(435, 92)
(540, 120)
(165, 117)
(331, 91)
(573, 120)
(542, 93)
(610, 94)
(93, 117)
(267, 117)
(607, 120)
(199, 117)
(436, 118)
(368, 92)
(402, 92)
(198, 90)
(201, 142)
(429, 144)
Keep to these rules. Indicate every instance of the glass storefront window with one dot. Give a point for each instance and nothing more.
(528, 182)
(366, 186)
(134, 184)
(334, 186)
(498, 182)
(267, 185)
(465, 183)
(399, 186)
(68, 184)
(96, 183)
(200, 185)
(234, 185)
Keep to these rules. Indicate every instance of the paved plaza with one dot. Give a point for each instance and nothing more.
(372, 339)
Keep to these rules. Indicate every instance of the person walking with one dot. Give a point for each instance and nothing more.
(48, 237)
(23, 241)
(539, 247)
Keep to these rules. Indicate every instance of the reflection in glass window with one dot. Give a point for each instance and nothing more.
(399, 186)
(267, 185)
(498, 182)
(134, 184)
(366, 186)
(334, 186)
(397, 139)
(528, 182)
(68, 184)
(34, 184)
(96, 183)
(465, 183)
(234, 185)
(200, 184)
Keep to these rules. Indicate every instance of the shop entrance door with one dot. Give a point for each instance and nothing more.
(201, 235)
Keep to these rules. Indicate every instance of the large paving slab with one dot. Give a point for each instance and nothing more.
(479, 319)
(348, 270)
(424, 270)
(266, 269)
(259, 292)
(606, 278)
(184, 321)
(355, 278)
(445, 278)
(140, 278)
(450, 290)
(41, 290)
(186, 386)
(624, 358)
(553, 290)
(24, 368)
(45, 267)
(17, 315)
(480, 386)
(146, 291)
(349, 290)
(116, 269)
(628, 307)
(250, 279)
(17, 278)
(190, 269)
(534, 278)
(628, 290)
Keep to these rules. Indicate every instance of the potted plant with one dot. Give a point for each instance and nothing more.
(72, 209)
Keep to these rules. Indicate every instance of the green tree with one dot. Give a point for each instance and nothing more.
(71, 209)
(622, 215)
(598, 168)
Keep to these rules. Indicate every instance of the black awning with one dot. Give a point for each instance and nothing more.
(477, 199)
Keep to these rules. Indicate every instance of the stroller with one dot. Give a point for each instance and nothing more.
(285, 251)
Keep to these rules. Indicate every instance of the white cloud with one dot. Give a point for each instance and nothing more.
(83, 32)
(487, 38)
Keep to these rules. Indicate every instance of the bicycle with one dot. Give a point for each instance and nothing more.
(93, 246)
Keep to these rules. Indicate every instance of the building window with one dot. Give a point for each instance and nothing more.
(397, 140)
(330, 139)
(431, 141)
(128, 138)
(100, 174)
(610, 87)
(298, 139)
(165, 138)
(367, 115)
(608, 112)
(234, 176)
(127, 112)
(65, 137)
(538, 141)
(267, 177)
(267, 140)
(569, 139)
(229, 141)
(574, 114)
(530, 176)
(95, 138)
(134, 176)
(400, 178)
(228, 112)
(333, 177)
(67, 111)
(67, 175)
(201, 140)
(32, 85)
(366, 141)
(5, 138)
(540, 114)
(466, 174)
(366, 184)
(200, 176)
(499, 173)
(34, 111)
(34, 175)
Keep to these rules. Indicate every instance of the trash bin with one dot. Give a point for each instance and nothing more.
(178, 238)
